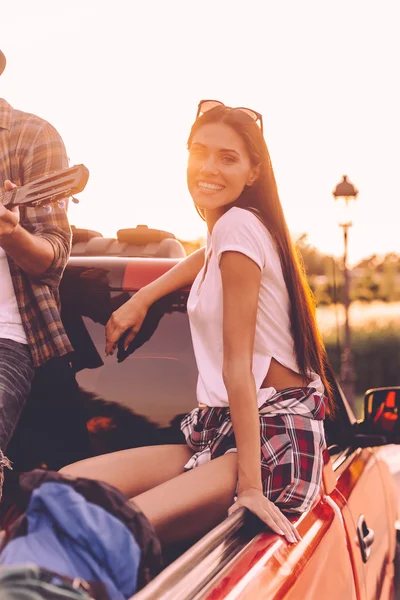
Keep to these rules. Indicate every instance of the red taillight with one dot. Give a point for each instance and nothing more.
(139, 273)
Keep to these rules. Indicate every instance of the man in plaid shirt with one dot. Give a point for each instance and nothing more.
(34, 249)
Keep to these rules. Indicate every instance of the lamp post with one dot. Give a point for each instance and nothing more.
(345, 194)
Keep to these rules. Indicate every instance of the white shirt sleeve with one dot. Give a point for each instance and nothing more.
(239, 230)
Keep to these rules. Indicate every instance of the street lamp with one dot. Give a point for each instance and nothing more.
(345, 194)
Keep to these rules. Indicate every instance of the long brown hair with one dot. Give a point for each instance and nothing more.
(263, 196)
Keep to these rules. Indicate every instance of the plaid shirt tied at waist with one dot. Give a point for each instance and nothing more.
(292, 443)
(30, 148)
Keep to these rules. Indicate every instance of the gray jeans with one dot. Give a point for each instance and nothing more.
(16, 374)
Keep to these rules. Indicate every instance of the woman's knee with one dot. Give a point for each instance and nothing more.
(76, 469)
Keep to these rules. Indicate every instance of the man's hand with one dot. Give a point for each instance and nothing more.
(9, 219)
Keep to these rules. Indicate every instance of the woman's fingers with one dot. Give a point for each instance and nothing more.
(284, 521)
(277, 525)
(271, 515)
(129, 316)
(109, 334)
(286, 527)
(233, 508)
(114, 330)
(110, 347)
(271, 522)
(268, 518)
(129, 338)
(113, 334)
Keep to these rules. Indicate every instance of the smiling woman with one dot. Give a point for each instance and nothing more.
(219, 167)
(256, 438)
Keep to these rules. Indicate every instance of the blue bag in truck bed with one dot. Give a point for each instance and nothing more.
(85, 529)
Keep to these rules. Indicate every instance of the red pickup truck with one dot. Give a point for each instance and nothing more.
(348, 546)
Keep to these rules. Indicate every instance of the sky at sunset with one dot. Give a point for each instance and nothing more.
(121, 81)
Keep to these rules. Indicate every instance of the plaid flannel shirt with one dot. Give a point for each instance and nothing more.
(292, 444)
(30, 148)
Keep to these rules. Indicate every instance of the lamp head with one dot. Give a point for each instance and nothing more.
(345, 193)
(3, 62)
(345, 189)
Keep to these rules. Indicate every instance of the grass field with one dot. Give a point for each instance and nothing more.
(375, 342)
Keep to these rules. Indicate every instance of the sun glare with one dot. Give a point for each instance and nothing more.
(123, 95)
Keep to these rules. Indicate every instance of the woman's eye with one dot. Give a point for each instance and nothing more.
(228, 160)
(196, 153)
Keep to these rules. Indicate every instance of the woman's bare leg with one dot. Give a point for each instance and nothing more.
(192, 503)
(136, 470)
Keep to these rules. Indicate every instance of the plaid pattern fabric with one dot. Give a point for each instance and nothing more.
(292, 443)
(30, 148)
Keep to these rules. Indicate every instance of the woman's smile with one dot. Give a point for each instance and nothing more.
(209, 188)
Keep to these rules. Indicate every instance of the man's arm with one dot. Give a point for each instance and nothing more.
(39, 242)
(33, 253)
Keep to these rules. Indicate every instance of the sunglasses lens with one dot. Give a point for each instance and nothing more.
(207, 105)
(250, 112)
(253, 115)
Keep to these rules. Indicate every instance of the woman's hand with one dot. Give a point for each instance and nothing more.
(128, 316)
(267, 511)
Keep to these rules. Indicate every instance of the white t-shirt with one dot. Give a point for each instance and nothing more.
(11, 326)
(240, 230)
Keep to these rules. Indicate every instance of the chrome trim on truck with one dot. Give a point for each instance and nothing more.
(188, 575)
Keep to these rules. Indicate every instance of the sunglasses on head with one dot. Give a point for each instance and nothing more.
(206, 105)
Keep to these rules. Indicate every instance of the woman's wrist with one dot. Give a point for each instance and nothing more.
(144, 297)
(249, 475)
(245, 488)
